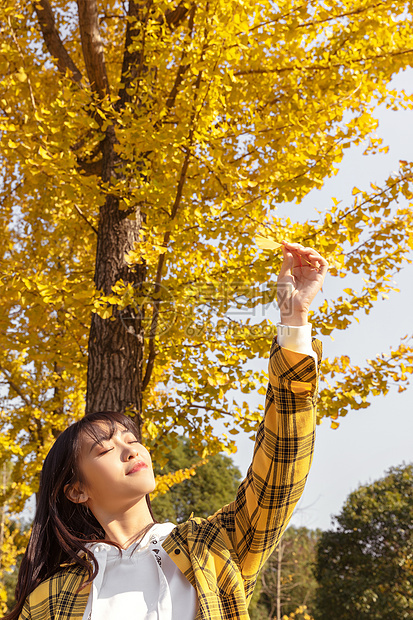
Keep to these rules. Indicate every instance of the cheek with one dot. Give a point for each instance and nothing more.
(146, 455)
(96, 474)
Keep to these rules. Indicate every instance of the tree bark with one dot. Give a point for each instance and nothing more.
(114, 381)
(279, 566)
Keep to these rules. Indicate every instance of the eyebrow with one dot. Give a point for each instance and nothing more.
(98, 443)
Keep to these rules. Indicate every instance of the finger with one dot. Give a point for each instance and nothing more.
(302, 251)
(305, 258)
(317, 262)
(287, 265)
(313, 252)
(299, 247)
(324, 268)
(315, 258)
(308, 253)
(299, 251)
(292, 246)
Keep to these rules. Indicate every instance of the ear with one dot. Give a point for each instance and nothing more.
(75, 493)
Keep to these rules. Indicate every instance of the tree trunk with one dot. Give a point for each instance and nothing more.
(279, 566)
(114, 381)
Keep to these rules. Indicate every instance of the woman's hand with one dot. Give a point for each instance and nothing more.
(301, 276)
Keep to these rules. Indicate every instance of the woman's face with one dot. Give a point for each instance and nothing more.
(116, 472)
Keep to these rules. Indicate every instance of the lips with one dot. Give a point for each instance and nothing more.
(137, 467)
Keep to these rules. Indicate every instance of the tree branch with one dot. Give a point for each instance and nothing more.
(175, 206)
(91, 168)
(85, 218)
(174, 210)
(29, 82)
(132, 63)
(182, 67)
(53, 41)
(209, 409)
(131, 59)
(174, 17)
(92, 46)
(321, 67)
(15, 387)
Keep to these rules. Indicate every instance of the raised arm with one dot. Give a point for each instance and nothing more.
(285, 438)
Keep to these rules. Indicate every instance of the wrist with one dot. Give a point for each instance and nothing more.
(294, 320)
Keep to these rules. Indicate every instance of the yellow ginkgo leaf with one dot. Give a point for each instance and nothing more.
(264, 243)
(43, 153)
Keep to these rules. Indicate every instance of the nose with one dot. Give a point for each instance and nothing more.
(129, 452)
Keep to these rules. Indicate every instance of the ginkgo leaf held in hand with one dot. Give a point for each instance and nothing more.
(264, 243)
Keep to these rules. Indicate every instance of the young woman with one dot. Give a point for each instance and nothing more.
(96, 550)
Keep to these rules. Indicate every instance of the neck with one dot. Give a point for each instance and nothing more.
(124, 526)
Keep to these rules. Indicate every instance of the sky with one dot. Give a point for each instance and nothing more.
(368, 441)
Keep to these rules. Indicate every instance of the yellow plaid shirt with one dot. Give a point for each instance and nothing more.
(221, 555)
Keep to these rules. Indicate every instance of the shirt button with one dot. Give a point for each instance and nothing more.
(177, 551)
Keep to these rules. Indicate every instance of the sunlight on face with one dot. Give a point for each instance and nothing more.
(116, 470)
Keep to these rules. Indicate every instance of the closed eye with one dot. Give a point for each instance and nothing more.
(105, 452)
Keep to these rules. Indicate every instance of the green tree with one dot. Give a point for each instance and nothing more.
(212, 485)
(287, 580)
(365, 566)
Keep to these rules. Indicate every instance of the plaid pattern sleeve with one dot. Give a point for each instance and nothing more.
(283, 453)
(58, 597)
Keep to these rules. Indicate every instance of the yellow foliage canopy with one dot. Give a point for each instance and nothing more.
(189, 133)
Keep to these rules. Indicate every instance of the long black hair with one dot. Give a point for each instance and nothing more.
(61, 529)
